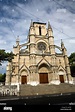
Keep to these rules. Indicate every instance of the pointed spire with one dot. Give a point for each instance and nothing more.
(17, 40)
(31, 25)
(31, 29)
(62, 44)
(63, 48)
(49, 26)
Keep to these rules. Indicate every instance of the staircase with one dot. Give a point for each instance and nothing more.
(42, 89)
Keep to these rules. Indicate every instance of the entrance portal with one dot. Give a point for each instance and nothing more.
(61, 78)
(43, 77)
(23, 79)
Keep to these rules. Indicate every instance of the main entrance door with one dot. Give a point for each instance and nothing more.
(43, 77)
(23, 79)
(61, 78)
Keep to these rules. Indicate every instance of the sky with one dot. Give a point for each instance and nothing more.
(16, 15)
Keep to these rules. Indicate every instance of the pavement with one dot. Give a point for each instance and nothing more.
(48, 99)
(47, 102)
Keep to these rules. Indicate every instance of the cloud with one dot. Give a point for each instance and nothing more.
(61, 10)
(72, 41)
(16, 17)
(2, 42)
(3, 67)
(19, 15)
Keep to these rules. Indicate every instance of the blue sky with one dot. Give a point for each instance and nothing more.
(15, 17)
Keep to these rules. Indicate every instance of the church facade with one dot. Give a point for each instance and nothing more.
(36, 62)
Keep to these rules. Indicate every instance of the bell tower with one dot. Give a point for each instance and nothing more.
(32, 43)
(40, 29)
(51, 39)
(52, 50)
(32, 56)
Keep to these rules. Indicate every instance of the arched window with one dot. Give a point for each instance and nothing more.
(39, 30)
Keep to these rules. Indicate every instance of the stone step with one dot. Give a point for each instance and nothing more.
(42, 89)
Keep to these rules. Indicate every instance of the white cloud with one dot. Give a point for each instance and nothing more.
(16, 22)
(73, 20)
(61, 19)
(61, 10)
(2, 42)
(72, 41)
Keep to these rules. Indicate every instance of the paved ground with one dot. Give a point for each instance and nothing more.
(56, 101)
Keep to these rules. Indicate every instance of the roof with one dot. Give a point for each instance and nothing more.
(39, 23)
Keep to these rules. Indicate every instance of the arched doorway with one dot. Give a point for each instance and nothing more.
(43, 77)
(61, 76)
(24, 77)
(43, 74)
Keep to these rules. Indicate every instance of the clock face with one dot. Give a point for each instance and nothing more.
(41, 46)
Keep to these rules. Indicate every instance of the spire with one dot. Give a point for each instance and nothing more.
(63, 48)
(31, 30)
(49, 26)
(31, 25)
(62, 44)
(17, 40)
(50, 31)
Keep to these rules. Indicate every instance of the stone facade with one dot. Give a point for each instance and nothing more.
(36, 62)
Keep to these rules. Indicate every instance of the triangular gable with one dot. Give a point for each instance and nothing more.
(61, 68)
(24, 67)
(44, 61)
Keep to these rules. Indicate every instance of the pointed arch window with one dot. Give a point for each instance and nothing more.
(39, 30)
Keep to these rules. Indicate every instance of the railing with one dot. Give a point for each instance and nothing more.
(8, 90)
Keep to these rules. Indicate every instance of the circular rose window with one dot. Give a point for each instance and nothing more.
(41, 46)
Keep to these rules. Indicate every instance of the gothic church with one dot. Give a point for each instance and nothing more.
(36, 62)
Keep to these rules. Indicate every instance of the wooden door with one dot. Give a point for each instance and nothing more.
(61, 78)
(43, 77)
(24, 80)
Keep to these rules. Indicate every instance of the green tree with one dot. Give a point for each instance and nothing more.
(72, 58)
(72, 63)
(5, 56)
(2, 77)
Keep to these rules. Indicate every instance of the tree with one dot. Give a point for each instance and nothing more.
(72, 63)
(72, 58)
(2, 77)
(5, 56)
